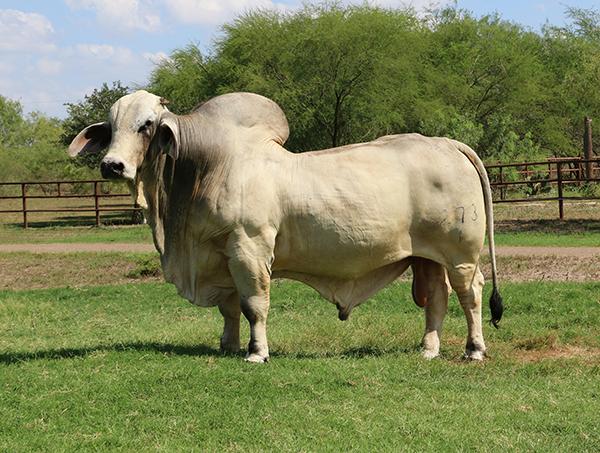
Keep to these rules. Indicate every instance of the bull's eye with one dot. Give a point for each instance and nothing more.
(145, 126)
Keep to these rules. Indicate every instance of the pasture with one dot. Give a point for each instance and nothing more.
(96, 353)
(133, 366)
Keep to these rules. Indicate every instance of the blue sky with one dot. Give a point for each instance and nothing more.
(56, 51)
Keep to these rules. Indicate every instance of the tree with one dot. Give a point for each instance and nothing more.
(572, 61)
(340, 73)
(12, 124)
(184, 79)
(347, 74)
(93, 109)
(30, 146)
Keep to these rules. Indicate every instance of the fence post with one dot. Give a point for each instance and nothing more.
(24, 198)
(588, 148)
(561, 212)
(502, 187)
(97, 203)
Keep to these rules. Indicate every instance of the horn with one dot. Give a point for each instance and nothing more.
(164, 101)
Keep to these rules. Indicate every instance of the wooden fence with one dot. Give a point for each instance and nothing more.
(530, 181)
(511, 183)
(46, 190)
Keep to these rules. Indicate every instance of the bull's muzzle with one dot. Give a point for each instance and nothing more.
(111, 169)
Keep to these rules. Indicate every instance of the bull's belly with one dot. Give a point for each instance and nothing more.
(345, 260)
(336, 253)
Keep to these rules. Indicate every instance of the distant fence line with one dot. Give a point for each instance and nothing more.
(511, 183)
(534, 179)
(94, 194)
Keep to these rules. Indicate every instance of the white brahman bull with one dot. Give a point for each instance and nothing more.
(230, 209)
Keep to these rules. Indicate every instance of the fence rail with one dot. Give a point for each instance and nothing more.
(542, 176)
(96, 195)
(508, 181)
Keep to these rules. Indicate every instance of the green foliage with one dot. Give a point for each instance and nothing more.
(183, 79)
(571, 58)
(318, 64)
(12, 123)
(93, 109)
(346, 74)
(30, 147)
(452, 124)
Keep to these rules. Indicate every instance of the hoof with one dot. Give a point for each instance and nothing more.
(256, 358)
(429, 354)
(474, 355)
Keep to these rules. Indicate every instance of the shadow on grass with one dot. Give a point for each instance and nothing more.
(359, 352)
(194, 351)
(553, 226)
(70, 353)
(77, 221)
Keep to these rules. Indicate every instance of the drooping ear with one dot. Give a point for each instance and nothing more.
(168, 136)
(92, 139)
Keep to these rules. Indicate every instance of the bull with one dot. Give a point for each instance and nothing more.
(230, 209)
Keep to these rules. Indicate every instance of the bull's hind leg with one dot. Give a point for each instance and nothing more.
(430, 289)
(467, 280)
(230, 309)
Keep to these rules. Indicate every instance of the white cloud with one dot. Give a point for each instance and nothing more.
(212, 12)
(49, 66)
(21, 31)
(156, 58)
(46, 82)
(215, 12)
(104, 54)
(417, 5)
(122, 14)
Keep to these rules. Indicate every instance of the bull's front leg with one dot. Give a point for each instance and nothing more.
(249, 264)
(255, 309)
(230, 309)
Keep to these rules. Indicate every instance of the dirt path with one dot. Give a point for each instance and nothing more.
(575, 252)
(61, 265)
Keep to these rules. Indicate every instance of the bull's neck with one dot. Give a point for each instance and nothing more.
(150, 176)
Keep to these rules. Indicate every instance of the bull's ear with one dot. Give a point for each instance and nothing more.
(92, 139)
(168, 136)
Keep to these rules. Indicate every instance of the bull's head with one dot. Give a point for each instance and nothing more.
(132, 123)
(133, 120)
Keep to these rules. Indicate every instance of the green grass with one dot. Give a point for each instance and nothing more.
(545, 239)
(133, 367)
(128, 234)
(143, 234)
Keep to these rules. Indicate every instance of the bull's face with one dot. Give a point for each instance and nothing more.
(133, 120)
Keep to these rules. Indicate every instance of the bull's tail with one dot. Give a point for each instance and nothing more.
(496, 307)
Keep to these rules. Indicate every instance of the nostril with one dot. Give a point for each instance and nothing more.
(111, 169)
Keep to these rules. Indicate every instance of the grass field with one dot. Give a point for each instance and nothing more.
(133, 367)
(566, 234)
(547, 239)
(123, 234)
